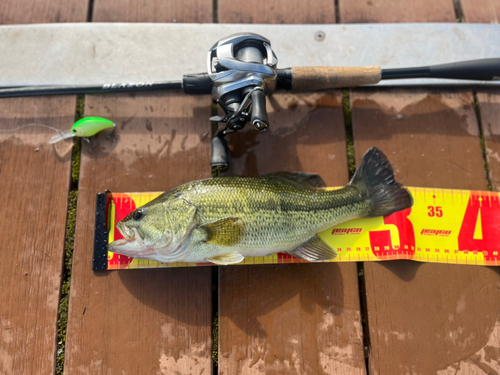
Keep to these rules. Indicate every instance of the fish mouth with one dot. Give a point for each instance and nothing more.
(125, 231)
(131, 245)
(131, 248)
(129, 234)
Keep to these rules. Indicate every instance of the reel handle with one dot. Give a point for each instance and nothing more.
(259, 113)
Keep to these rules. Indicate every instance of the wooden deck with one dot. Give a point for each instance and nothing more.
(378, 318)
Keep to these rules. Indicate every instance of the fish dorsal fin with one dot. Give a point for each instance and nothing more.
(229, 258)
(314, 250)
(224, 232)
(306, 180)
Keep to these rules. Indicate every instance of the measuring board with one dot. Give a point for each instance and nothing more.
(443, 226)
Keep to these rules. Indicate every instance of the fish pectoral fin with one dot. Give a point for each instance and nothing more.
(314, 250)
(224, 232)
(230, 258)
(306, 180)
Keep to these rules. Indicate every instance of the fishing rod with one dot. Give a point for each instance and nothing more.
(242, 71)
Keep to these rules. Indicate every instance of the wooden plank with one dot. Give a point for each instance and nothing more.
(429, 136)
(292, 318)
(163, 316)
(153, 11)
(42, 11)
(428, 318)
(281, 11)
(489, 105)
(306, 134)
(144, 321)
(387, 11)
(34, 180)
(481, 11)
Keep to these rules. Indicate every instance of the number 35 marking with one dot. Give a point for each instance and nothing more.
(435, 211)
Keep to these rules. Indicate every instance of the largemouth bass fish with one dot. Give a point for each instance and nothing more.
(226, 219)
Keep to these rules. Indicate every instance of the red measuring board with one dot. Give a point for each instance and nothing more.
(443, 226)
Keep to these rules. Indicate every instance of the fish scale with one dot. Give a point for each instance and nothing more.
(278, 216)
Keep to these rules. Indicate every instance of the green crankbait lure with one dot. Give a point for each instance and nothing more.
(86, 127)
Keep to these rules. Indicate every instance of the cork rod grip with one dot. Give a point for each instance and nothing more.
(324, 78)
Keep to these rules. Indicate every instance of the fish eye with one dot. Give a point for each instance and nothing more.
(138, 215)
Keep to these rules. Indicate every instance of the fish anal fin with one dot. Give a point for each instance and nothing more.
(314, 250)
(229, 258)
(224, 232)
(306, 180)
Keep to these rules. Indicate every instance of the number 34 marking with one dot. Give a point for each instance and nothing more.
(435, 211)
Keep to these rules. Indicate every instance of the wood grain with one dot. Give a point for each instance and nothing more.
(153, 11)
(489, 106)
(277, 11)
(144, 321)
(388, 11)
(306, 135)
(310, 79)
(481, 11)
(292, 319)
(428, 318)
(42, 11)
(34, 180)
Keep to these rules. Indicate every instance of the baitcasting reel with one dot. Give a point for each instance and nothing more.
(242, 68)
(241, 73)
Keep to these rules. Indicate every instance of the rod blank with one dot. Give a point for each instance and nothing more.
(476, 70)
(101, 89)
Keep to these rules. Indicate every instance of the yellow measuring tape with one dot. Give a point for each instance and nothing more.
(443, 226)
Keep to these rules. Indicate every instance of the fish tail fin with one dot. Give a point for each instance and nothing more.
(374, 178)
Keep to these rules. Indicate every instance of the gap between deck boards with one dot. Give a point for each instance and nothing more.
(69, 243)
